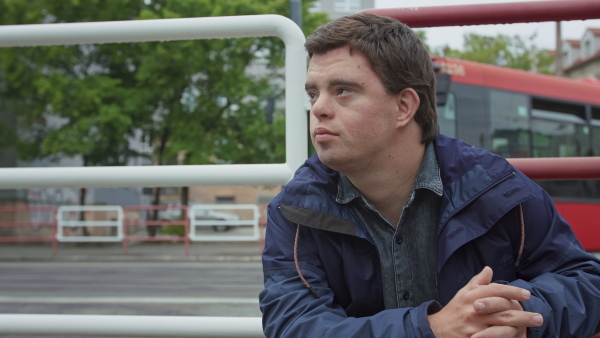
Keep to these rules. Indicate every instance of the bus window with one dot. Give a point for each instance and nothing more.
(447, 116)
(559, 129)
(595, 131)
(510, 124)
(472, 114)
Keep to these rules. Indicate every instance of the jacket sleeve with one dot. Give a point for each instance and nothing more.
(291, 310)
(563, 278)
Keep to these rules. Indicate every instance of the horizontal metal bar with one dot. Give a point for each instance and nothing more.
(496, 13)
(224, 238)
(88, 238)
(25, 240)
(89, 224)
(210, 222)
(148, 30)
(146, 176)
(11, 224)
(131, 326)
(559, 168)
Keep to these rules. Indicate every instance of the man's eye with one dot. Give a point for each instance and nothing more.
(342, 91)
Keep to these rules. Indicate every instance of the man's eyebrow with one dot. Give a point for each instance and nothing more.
(334, 82)
(308, 86)
(342, 82)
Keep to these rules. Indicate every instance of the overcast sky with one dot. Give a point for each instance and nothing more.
(546, 31)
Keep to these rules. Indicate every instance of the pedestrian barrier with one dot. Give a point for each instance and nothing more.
(157, 176)
(140, 221)
(131, 326)
(296, 137)
(33, 220)
(200, 216)
(114, 221)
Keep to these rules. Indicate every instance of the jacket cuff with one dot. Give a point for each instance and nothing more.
(423, 311)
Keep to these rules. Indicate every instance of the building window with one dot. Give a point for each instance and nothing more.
(225, 199)
(347, 6)
(588, 49)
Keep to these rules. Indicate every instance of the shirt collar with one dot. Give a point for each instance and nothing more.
(427, 178)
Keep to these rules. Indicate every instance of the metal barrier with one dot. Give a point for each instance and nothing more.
(200, 218)
(49, 223)
(113, 222)
(144, 222)
(168, 30)
(160, 176)
(157, 176)
(132, 326)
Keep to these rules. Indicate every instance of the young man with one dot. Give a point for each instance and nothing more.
(396, 231)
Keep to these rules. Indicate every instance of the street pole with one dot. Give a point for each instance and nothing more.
(296, 12)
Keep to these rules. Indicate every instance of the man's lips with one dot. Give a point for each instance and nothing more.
(323, 134)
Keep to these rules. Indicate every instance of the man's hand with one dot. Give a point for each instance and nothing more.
(484, 309)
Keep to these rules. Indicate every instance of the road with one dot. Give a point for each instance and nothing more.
(131, 288)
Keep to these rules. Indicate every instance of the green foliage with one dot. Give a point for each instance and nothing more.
(177, 230)
(197, 96)
(502, 50)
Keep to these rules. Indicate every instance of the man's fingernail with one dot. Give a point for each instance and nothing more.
(479, 306)
(526, 293)
(538, 320)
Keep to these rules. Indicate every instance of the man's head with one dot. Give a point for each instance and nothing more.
(396, 55)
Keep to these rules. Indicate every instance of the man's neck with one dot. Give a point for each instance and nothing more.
(388, 183)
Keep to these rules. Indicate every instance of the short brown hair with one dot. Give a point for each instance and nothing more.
(396, 55)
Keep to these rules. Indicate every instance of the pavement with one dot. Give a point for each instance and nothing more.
(136, 252)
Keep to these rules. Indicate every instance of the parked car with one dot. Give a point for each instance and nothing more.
(208, 214)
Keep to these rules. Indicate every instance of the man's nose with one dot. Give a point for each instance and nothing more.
(322, 108)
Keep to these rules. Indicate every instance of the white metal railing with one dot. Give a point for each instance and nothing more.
(131, 326)
(168, 30)
(198, 219)
(109, 210)
(160, 176)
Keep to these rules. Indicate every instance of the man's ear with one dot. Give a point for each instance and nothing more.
(408, 102)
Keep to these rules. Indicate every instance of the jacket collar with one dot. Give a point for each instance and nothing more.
(466, 172)
(427, 178)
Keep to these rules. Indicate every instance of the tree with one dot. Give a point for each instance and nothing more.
(502, 50)
(199, 97)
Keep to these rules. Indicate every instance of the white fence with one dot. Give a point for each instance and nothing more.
(63, 221)
(167, 30)
(131, 326)
(161, 176)
(200, 216)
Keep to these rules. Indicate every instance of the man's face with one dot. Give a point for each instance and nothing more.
(352, 118)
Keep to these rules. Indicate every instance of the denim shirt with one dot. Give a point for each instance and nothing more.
(408, 253)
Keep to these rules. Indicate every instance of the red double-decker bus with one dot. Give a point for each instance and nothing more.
(516, 113)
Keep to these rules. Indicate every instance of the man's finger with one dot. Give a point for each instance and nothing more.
(482, 278)
(495, 304)
(499, 290)
(499, 332)
(514, 318)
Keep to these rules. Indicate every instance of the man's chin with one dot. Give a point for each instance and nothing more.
(333, 162)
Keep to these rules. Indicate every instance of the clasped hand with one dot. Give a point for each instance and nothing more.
(483, 309)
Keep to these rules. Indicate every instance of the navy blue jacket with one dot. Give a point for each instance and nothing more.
(479, 225)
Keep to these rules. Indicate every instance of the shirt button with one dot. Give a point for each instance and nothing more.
(405, 295)
(399, 239)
